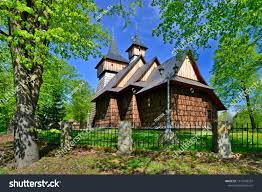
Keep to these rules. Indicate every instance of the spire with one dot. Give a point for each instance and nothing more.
(113, 53)
(136, 41)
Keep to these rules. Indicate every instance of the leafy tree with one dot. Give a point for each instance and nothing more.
(50, 115)
(81, 102)
(7, 99)
(242, 115)
(225, 116)
(57, 82)
(34, 30)
(235, 76)
(194, 22)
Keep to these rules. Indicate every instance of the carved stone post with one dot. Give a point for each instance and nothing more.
(66, 134)
(125, 140)
(224, 145)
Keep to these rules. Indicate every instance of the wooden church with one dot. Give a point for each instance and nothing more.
(135, 90)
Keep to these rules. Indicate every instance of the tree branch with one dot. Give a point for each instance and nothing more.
(255, 40)
(3, 33)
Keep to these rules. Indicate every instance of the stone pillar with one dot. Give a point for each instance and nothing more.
(66, 134)
(167, 138)
(125, 140)
(224, 145)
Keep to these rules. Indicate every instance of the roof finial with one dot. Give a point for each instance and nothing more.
(135, 37)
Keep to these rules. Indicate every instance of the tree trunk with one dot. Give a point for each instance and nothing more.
(27, 87)
(27, 70)
(250, 110)
(81, 123)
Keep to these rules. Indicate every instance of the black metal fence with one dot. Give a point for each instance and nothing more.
(243, 139)
(186, 138)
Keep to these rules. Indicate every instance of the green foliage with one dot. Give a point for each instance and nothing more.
(225, 116)
(41, 32)
(80, 104)
(67, 26)
(195, 22)
(242, 119)
(7, 100)
(233, 73)
(57, 80)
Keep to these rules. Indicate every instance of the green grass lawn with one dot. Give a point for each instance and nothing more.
(98, 161)
(148, 139)
(103, 160)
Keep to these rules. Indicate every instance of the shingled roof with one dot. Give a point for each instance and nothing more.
(113, 54)
(136, 41)
(133, 81)
(155, 79)
(110, 87)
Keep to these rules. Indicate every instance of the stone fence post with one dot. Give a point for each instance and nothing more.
(224, 145)
(66, 134)
(125, 141)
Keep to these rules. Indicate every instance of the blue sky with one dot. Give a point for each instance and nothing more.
(146, 18)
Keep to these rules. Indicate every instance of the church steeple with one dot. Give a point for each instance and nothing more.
(113, 53)
(109, 65)
(137, 48)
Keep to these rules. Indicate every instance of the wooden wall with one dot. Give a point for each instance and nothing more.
(130, 73)
(187, 109)
(187, 70)
(111, 66)
(128, 109)
(136, 51)
(149, 71)
(107, 113)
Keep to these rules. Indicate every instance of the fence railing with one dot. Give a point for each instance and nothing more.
(243, 139)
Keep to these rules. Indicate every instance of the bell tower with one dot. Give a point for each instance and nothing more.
(137, 48)
(110, 65)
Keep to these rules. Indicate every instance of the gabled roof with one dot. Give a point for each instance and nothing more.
(155, 79)
(136, 41)
(110, 87)
(141, 71)
(133, 81)
(113, 54)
